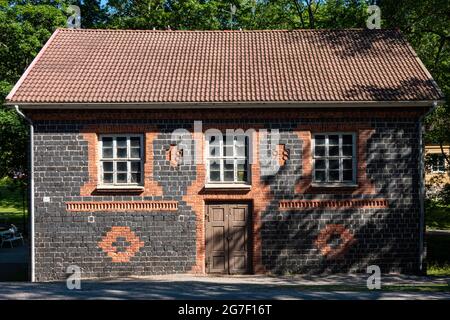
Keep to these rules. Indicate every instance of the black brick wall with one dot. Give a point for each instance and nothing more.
(387, 237)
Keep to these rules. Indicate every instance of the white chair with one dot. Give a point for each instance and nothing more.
(12, 236)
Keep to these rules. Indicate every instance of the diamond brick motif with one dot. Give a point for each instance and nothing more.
(109, 244)
(334, 240)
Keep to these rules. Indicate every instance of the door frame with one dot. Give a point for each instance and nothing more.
(250, 233)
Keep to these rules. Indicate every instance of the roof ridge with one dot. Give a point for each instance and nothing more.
(224, 31)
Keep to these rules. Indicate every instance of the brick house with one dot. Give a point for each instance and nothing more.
(225, 152)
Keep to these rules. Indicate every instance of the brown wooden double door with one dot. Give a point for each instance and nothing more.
(227, 238)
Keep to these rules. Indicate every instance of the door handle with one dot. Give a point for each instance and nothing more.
(229, 238)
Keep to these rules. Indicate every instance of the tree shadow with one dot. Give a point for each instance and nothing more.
(387, 237)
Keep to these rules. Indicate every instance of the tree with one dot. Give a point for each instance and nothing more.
(93, 14)
(426, 26)
(24, 28)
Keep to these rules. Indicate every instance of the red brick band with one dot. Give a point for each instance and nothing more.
(353, 203)
(114, 206)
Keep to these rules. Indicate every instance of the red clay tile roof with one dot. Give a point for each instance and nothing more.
(126, 66)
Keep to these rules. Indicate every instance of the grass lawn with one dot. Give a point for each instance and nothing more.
(425, 287)
(437, 216)
(11, 210)
(438, 254)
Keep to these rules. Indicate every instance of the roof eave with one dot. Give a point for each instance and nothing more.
(209, 105)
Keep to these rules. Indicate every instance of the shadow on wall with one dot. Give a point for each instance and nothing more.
(388, 238)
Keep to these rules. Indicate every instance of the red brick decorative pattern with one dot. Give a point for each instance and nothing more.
(338, 204)
(113, 206)
(347, 240)
(107, 244)
(90, 134)
(174, 155)
(282, 154)
(364, 132)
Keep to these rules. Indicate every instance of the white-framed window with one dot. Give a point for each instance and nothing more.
(227, 159)
(121, 160)
(437, 163)
(334, 158)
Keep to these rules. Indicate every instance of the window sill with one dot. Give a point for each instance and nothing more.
(119, 189)
(227, 186)
(334, 185)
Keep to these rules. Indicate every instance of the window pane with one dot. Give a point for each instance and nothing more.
(319, 140)
(214, 176)
(240, 151)
(320, 175)
(347, 151)
(121, 153)
(347, 139)
(214, 151)
(333, 151)
(107, 142)
(107, 167)
(228, 166)
(228, 151)
(122, 166)
(228, 176)
(242, 171)
(107, 152)
(347, 164)
(333, 164)
(135, 166)
(320, 151)
(136, 178)
(135, 153)
(135, 142)
(240, 140)
(121, 178)
(121, 142)
(320, 164)
(107, 178)
(214, 166)
(333, 175)
(348, 175)
(228, 140)
(333, 140)
(242, 176)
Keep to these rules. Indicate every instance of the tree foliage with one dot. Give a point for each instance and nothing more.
(426, 24)
(24, 28)
(25, 25)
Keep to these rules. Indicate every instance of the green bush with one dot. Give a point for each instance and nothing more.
(444, 195)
